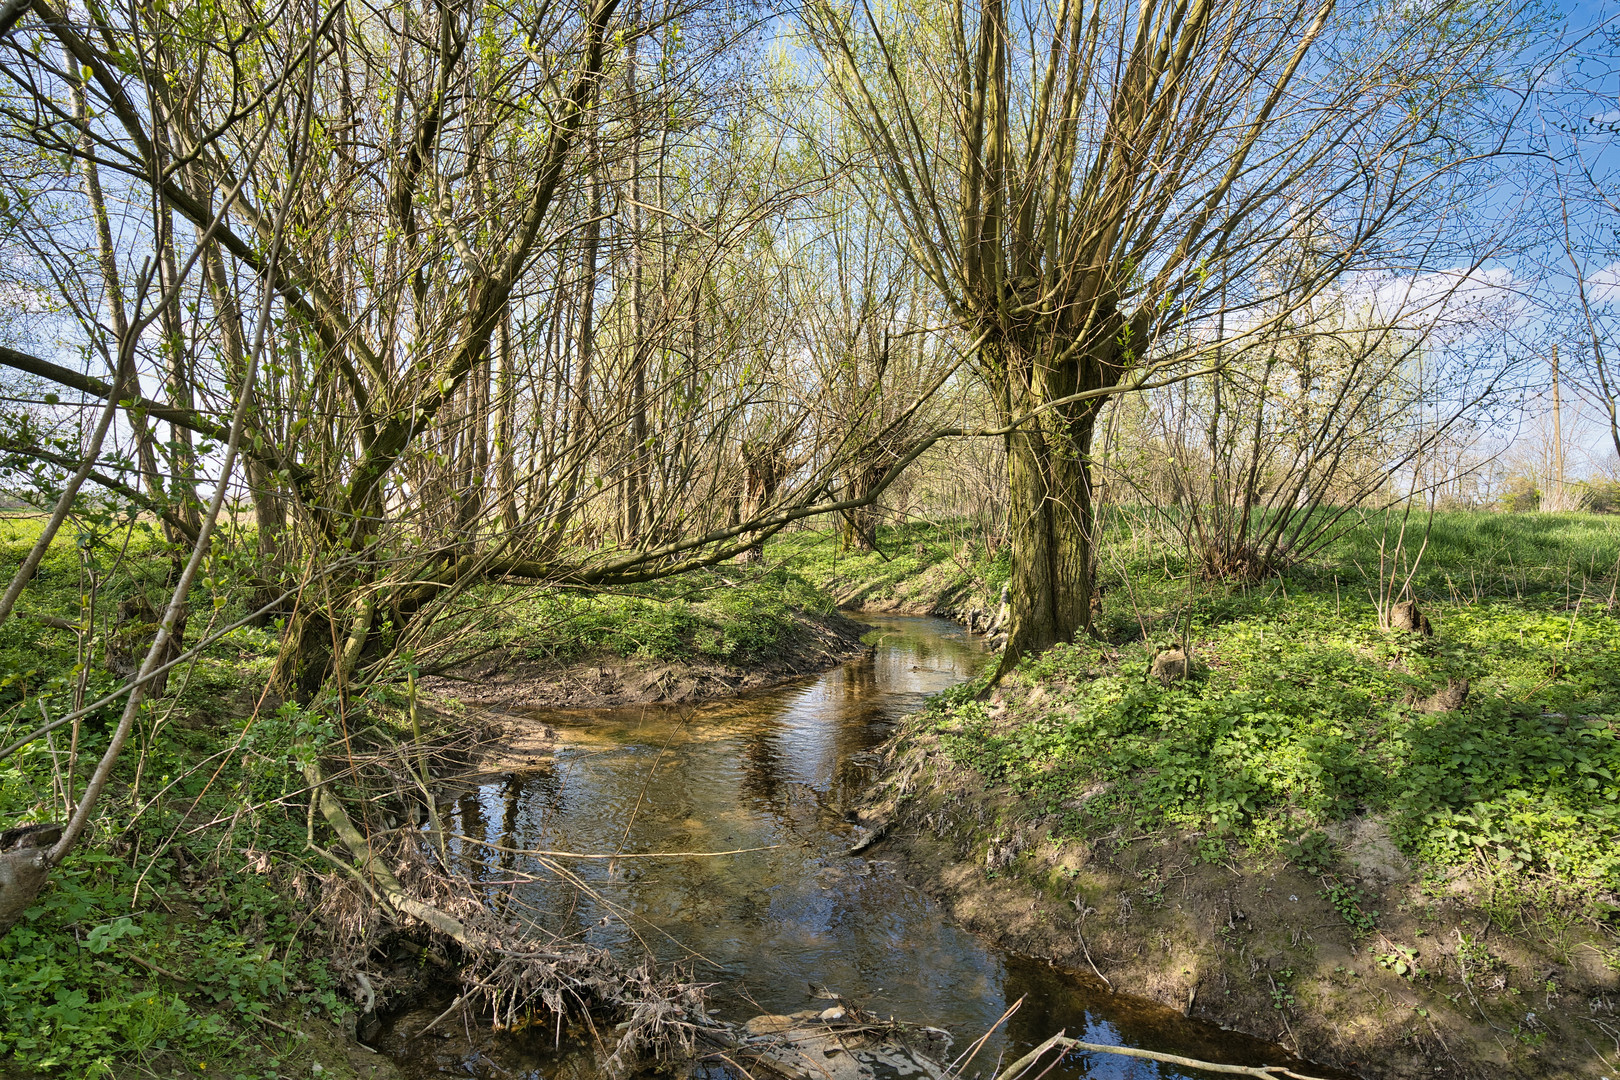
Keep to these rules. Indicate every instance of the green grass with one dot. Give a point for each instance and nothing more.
(167, 942)
(1468, 556)
(1491, 554)
(916, 562)
(89, 571)
(158, 946)
(737, 613)
(1304, 714)
(178, 935)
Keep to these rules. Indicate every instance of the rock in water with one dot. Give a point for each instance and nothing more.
(813, 1048)
(769, 1024)
(865, 837)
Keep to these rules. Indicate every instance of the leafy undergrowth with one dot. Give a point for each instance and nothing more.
(1301, 720)
(192, 980)
(737, 613)
(184, 943)
(915, 565)
(178, 938)
(1303, 712)
(98, 565)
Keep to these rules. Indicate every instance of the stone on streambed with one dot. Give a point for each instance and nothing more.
(865, 836)
(769, 1024)
(830, 1045)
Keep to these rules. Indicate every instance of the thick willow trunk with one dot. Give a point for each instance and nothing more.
(1050, 503)
(860, 524)
(305, 660)
(1051, 540)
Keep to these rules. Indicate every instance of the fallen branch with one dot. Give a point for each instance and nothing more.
(1079, 933)
(376, 872)
(507, 970)
(1265, 1072)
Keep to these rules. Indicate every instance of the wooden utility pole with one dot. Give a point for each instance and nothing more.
(1554, 499)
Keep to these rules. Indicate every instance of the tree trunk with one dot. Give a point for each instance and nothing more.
(1050, 494)
(505, 428)
(635, 489)
(860, 524)
(762, 475)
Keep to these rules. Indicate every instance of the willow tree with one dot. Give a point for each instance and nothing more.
(1104, 192)
(396, 266)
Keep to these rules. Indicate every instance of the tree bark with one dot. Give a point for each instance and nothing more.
(1050, 496)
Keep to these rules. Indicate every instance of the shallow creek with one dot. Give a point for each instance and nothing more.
(770, 777)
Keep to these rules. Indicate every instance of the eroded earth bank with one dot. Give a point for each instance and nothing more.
(1336, 945)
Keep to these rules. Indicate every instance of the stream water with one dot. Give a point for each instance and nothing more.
(770, 777)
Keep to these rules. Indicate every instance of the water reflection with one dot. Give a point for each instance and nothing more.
(769, 777)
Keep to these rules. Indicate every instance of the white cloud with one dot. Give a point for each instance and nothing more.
(1603, 286)
(1453, 304)
(1448, 296)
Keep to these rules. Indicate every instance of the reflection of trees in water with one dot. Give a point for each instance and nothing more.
(526, 801)
(538, 795)
(730, 767)
(522, 803)
(854, 681)
(1052, 1000)
(762, 769)
(469, 819)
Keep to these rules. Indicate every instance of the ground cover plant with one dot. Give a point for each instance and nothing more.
(917, 564)
(740, 613)
(158, 947)
(1303, 710)
(197, 931)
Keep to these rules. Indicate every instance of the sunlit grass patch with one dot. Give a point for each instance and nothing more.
(1306, 712)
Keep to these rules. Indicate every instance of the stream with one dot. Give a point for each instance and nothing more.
(769, 777)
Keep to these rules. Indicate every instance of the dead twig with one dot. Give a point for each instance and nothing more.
(1265, 1072)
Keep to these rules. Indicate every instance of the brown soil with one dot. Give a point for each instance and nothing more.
(1255, 946)
(508, 680)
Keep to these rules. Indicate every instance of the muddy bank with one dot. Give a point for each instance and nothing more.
(507, 678)
(1440, 978)
(733, 819)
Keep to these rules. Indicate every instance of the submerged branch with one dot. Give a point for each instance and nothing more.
(1025, 1063)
